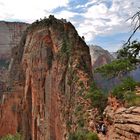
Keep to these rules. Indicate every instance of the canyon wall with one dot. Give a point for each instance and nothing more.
(10, 35)
(50, 71)
(100, 57)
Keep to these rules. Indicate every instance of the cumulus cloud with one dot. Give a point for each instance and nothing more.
(92, 18)
(28, 10)
(63, 14)
(107, 17)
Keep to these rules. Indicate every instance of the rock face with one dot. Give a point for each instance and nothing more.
(10, 35)
(10, 112)
(125, 123)
(99, 56)
(52, 66)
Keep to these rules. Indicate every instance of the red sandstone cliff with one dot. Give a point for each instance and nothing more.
(52, 68)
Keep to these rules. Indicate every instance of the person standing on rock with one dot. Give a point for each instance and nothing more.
(103, 129)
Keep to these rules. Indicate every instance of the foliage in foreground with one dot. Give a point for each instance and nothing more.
(131, 52)
(128, 59)
(12, 137)
(116, 68)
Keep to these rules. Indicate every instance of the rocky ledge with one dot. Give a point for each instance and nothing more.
(125, 123)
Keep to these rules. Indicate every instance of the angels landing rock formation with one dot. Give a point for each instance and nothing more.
(49, 74)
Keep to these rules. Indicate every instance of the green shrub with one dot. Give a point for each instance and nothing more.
(122, 91)
(83, 135)
(12, 137)
(78, 135)
(115, 68)
(78, 108)
(81, 122)
(131, 99)
(125, 92)
(97, 97)
(92, 136)
(66, 47)
(72, 136)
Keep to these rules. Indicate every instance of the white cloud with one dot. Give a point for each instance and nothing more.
(104, 20)
(99, 18)
(64, 14)
(28, 10)
(95, 11)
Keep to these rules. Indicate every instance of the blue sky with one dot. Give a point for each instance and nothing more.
(102, 22)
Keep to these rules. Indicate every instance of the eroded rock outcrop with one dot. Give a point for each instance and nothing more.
(125, 122)
(52, 66)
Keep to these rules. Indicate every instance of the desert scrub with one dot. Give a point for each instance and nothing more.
(81, 122)
(65, 50)
(83, 65)
(131, 99)
(78, 108)
(97, 97)
(17, 136)
(83, 135)
(92, 136)
(126, 92)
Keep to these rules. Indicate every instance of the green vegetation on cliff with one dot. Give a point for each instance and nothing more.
(126, 92)
(83, 135)
(97, 97)
(127, 60)
(118, 67)
(12, 137)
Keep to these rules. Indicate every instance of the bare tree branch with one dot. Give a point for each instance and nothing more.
(135, 20)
